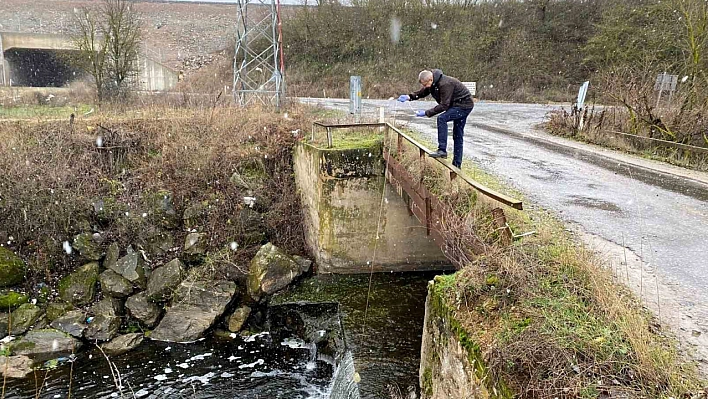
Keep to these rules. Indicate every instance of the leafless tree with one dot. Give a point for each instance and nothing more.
(122, 32)
(108, 42)
(92, 54)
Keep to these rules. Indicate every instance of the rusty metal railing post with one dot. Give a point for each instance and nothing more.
(428, 211)
(500, 224)
(421, 159)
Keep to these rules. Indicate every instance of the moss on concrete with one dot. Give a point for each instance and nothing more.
(442, 287)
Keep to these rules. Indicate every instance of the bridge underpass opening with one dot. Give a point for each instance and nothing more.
(40, 68)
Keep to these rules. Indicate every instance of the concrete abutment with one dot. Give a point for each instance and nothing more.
(349, 228)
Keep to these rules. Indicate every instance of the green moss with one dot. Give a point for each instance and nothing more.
(57, 309)
(427, 383)
(442, 288)
(12, 268)
(343, 139)
(87, 247)
(11, 300)
(80, 286)
(21, 346)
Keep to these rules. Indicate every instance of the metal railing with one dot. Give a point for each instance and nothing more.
(660, 142)
(423, 153)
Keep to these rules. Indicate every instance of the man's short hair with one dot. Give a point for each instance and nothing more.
(425, 75)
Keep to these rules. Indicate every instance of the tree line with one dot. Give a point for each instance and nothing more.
(515, 50)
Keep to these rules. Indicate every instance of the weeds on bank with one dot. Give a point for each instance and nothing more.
(597, 130)
(636, 108)
(548, 316)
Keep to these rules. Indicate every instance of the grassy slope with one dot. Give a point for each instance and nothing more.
(550, 318)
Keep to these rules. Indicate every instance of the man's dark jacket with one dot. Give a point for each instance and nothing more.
(447, 91)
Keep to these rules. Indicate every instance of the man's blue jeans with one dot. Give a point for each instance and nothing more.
(458, 116)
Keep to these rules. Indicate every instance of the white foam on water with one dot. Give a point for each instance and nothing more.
(251, 338)
(199, 357)
(204, 379)
(251, 365)
(295, 343)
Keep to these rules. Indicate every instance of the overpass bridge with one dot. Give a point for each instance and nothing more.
(41, 60)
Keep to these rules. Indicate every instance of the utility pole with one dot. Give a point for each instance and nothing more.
(258, 59)
(3, 78)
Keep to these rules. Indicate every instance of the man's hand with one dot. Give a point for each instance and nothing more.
(404, 97)
(419, 113)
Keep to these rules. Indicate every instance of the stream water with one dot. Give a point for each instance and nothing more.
(384, 339)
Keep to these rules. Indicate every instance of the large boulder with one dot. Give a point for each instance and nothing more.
(112, 255)
(24, 317)
(106, 321)
(88, 245)
(158, 242)
(164, 280)
(131, 267)
(272, 270)
(123, 344)
(42, 345)
(238, 318)
(72, 323)
(108, 209)
(4, 324)
(250, 175)
(79, 287)
(161, 210)
(195, 246)
(251, 227)
(16, 366)
(10, 299)
(57, 309)
(12, 268)
(115, 285)
(143, 310)
(196, 306)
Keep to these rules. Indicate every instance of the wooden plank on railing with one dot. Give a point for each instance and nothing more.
(497, 196)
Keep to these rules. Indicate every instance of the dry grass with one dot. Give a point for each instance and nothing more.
(550, 319)
(600, 127)
(53, 172)
(635, 109)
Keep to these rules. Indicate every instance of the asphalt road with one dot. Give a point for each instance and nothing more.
(650, 220)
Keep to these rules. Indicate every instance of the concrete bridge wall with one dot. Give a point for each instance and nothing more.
(341, 195)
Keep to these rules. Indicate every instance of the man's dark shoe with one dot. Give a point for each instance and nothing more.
(439, 154)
